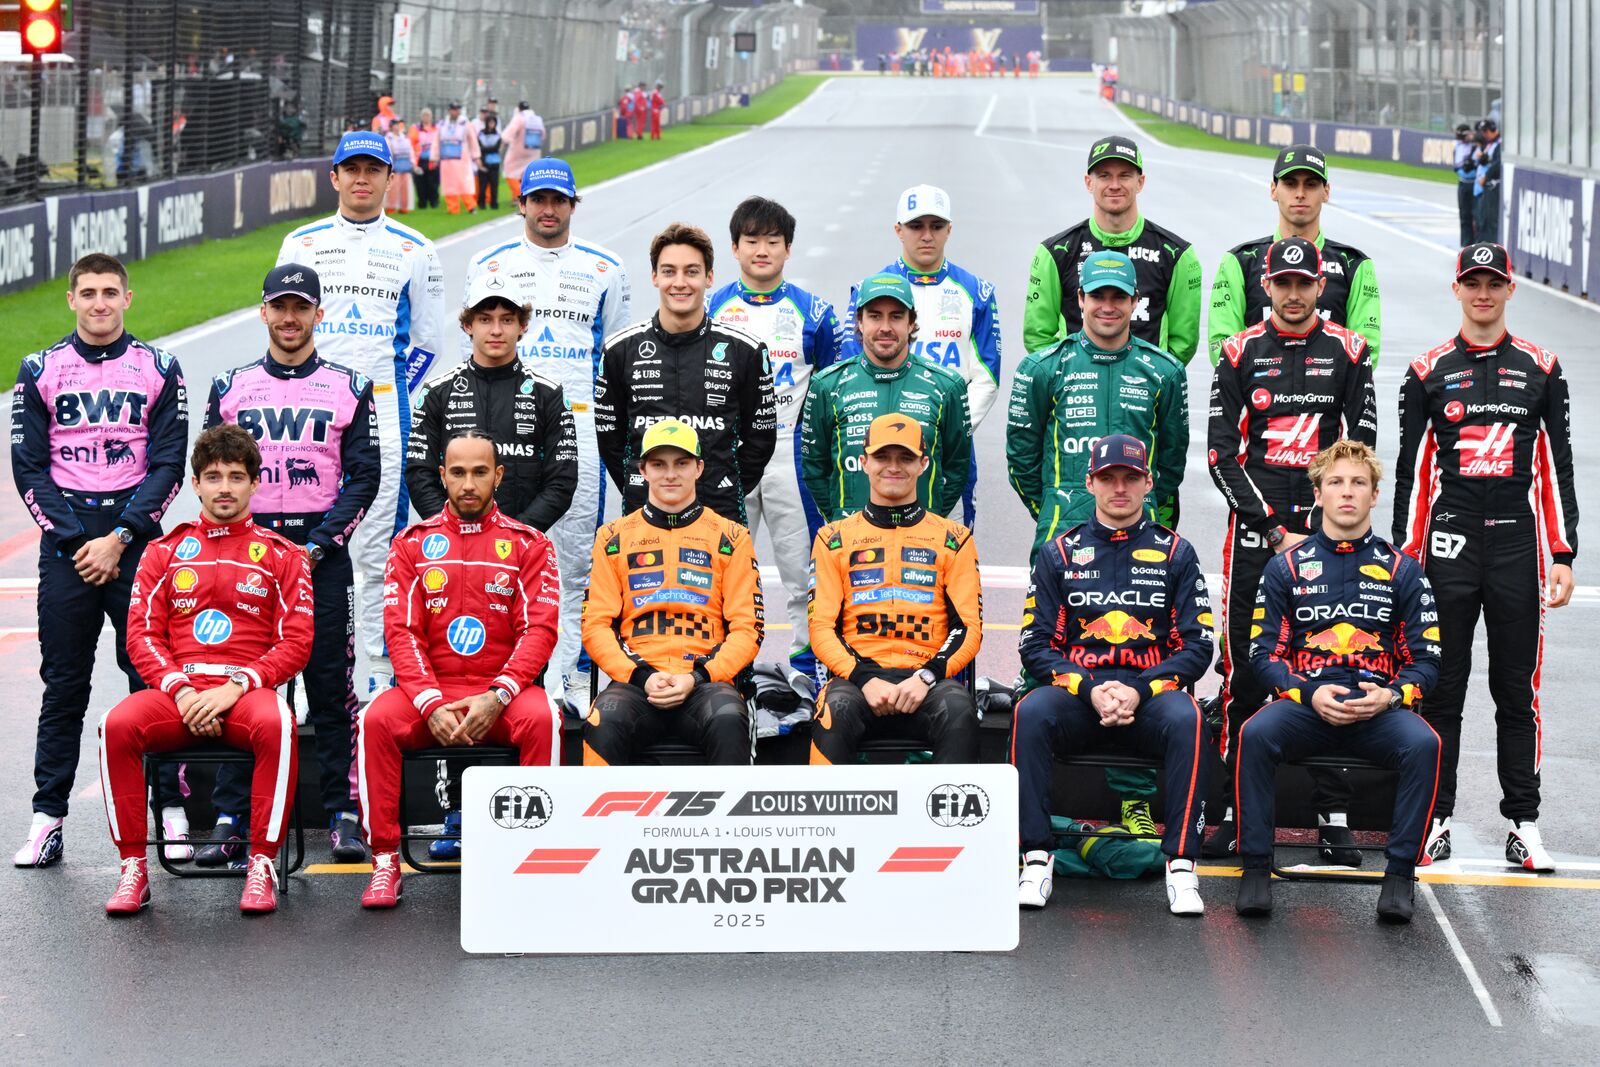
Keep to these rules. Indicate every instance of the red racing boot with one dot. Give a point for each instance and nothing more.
(383, 891)
(133, 889)
(260, 895)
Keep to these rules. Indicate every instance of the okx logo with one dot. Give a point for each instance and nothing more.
(1486, 451)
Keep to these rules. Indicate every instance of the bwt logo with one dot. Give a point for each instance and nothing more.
(516, 807)
(681, 803)
(212, 627)
(958, 805)
(466, 635)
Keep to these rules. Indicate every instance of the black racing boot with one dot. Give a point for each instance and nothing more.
(1335, 841)
(1255, 892)
(1395, 903)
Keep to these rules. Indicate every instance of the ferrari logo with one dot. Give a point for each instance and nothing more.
(502, 549)
(258, 551)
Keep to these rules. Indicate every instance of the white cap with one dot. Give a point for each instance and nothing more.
(492, 284)
(920, 200)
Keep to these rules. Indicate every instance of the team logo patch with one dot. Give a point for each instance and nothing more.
(1116, 627)
(1372, 570)
(693, 578)
(258, 551)
(719, 352)
(1311, 570)
(188, 548)
(1149, 555)
(184, 580)
(435, 545)
(694, 557)
(1082, 556)
(647, 580)
(870, 576)
(922, 556)
(916, 576)
(466, 635)
(866, 555)
(644, 559)
(1431, 634)
(434, 579)
(502, 549)
(212, 627)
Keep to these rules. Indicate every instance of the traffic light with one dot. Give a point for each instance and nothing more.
(41, 27)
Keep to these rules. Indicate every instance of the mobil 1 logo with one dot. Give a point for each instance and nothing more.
(957, 805)
(520, 807)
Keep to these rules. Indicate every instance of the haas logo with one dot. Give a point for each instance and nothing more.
(1486, 451)
(302, 472)
(118, 452)
(1291, 440)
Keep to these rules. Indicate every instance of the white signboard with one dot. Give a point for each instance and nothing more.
(739, 859)
(400, 49)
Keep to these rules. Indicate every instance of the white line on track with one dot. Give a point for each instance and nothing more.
(1479, 990)
(988, 113)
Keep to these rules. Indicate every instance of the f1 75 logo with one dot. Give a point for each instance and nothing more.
(1292, 439)
(1486, 451)
(643, 803)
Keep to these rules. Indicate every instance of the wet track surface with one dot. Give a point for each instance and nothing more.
(1104, 969)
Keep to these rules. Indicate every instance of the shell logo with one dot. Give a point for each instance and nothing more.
(434, 579)
(184, 580)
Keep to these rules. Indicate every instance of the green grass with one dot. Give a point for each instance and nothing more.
(187, 286)
(1182, 135)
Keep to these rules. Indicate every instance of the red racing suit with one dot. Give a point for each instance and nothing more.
(468, 606)
(210, 602)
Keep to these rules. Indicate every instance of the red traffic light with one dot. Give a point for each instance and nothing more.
(41, 27)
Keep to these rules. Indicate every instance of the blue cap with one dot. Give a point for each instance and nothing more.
(549, 174)
(1107, 269)
(1119, 450)
(363, 143)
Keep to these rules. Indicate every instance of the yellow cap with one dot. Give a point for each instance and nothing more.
(670, 433)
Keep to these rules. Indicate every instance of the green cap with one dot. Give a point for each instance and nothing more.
(670, 433)
(1115, 147)
(1106, 268)
(1300, 157)
(890, 285)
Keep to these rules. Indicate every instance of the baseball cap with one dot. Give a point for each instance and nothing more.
(363, 143)
(549, 174)
(1119, 450)
(492, 286)
(1485, 255)
(920, 200)
(1485, 125)
(292, 279)
(1107, 269)
(890, 285)
(1294, 255)
(455, 105)
(1300, 157)
(1115, 147)
(670, 433)
(895, 429)
(1462, 129)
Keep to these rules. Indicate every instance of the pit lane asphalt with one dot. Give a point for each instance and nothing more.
(1103, 970)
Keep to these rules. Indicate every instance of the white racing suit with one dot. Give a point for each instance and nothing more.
(384, 317)
(580, 294)
(802, 334)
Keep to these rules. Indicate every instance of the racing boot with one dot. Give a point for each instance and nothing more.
(450, 847)
(1038, 878)
(1525, 849)
(1255, 892)
(1395, 901)
(1136, 817)
(1438, 846)
(260, 896)
(175, 827)
(133, 889)
(225, 846)
(1183, 889)
(1335, 841)
(46, 842)
(383, 890)
(1223, 844)
(344, 839)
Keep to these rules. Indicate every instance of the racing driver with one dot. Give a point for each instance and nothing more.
(1484, 490)
(673, 616)
(221, 615)
(471, 606)
(896, 613)
(383, 317)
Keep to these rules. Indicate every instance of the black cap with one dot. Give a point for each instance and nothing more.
(1462, 129)
(1115, 147)
(1119, 450)
(455, 105)
(1485, 255)
(522, 105)
(1300, 157)
(1294, 255)
(1485, 125)
(292, 279)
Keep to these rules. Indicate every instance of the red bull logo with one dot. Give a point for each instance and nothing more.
(1116, 628)
(1342, 639)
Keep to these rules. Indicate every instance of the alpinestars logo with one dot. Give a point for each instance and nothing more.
(1291, 440)
(1486, 451)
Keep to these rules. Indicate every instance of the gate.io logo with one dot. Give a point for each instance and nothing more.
(520, 807)
(957, 805)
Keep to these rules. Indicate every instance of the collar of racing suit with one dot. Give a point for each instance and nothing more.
(672, 520)
(1358, 544)
(679, 340)
(1312, 327)
(100, 353)
(1103, 355)
(548, 253)
(505, 370)
(888, 517)
(761, 296)
(299, 370)
(929, 277)
(1481, 351)
(1116, 534)
(227, 529)
(361, 226)
(1117, 240)
(469, 525)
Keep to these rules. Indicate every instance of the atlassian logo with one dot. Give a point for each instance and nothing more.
(212, 627)
(435, 545)
(466, 635)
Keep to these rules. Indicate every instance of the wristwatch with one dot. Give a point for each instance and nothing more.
(315, 553)
(1275, 536)
(502, 694)
(240, 679)
(124, 535)
(926, 677)
(1396, 697)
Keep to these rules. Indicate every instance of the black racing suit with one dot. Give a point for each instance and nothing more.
(320, 467)
(714, 377)
(526, 414)
(1276, 401)
(1483, 488)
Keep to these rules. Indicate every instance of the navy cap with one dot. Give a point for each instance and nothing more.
(363, 143)
(292, 279)
(549, 174)
(1119, 450)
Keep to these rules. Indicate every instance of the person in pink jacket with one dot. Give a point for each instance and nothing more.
(458, 162)
(425, 158)
(397, 201)
(524, 143)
